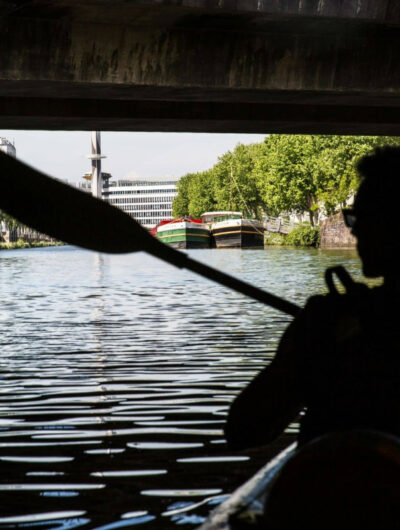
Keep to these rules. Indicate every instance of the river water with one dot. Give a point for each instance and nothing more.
(116, 376)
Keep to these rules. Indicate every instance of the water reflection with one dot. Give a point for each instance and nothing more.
(129, 473)
(39, 517)
(181, 493)
(182, 507)
(116, 376)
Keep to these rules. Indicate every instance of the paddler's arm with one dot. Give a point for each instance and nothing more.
(267, 405)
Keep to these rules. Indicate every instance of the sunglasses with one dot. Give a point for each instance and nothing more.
(349, 216)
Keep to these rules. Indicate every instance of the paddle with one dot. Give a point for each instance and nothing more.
(73, 216)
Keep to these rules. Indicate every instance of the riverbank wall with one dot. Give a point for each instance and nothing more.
(335, 234)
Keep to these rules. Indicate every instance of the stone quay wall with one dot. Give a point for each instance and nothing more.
(335, 234)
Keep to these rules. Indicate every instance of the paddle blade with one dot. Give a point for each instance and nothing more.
(65, 213)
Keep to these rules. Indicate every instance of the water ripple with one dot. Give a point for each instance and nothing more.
(120, 369)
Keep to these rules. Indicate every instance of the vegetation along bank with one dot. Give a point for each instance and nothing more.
(310, 176)
(26, 244)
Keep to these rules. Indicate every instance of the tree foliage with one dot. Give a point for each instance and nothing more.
(303, 235)
(195, 195)
(304, 173)
(234, 181)
(285, 173)
(229, 185)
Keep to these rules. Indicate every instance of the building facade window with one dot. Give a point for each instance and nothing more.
(147, 201)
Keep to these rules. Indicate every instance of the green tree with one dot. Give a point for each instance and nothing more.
(285, 173)
(301, 173)
(343, 180)
(229, 185)
(235, 184)
(201, 193)
(195, 194)
(180, 204)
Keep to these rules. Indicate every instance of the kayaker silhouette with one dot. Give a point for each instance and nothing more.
(339, 360)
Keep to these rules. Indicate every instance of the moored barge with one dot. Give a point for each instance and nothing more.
(183, 233)
(230, 230)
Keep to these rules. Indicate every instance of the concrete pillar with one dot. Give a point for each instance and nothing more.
(95, 156)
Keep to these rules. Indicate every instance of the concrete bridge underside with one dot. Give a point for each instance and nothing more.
(303, 66)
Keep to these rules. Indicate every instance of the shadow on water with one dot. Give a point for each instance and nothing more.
(116, 376)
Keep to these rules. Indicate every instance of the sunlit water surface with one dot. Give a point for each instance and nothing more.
(116, 376)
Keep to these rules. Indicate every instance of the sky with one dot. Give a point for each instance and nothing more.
(62, 154)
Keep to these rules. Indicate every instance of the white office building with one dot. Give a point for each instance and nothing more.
(148, 200)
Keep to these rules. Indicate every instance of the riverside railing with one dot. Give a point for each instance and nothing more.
(278, 225)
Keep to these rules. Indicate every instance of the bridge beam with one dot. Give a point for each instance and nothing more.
(201, 65)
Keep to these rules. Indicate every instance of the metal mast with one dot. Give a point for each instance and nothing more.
(96, 156)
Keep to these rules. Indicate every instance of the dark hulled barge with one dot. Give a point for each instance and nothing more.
(230, 230)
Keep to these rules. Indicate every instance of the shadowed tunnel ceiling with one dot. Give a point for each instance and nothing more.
(303, 66)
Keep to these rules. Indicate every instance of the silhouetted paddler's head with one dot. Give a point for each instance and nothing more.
(375, 222)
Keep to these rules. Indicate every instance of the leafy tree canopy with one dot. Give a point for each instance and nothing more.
(300, 173)
(303, 173)
(195, 194)
(234, 181)
(229, 185)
